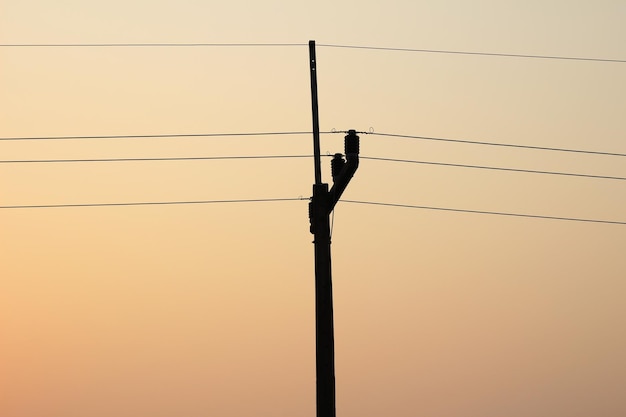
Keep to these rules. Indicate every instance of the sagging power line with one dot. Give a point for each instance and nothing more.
(287, 133)
(145, 45)
(327, 45)
(155, 159)
(493, 213)
(528, 171)
(492, 54)
(294, 133)
(264, 200)
(151, 203)
(254, 157)
(157, 136)
(501, 144)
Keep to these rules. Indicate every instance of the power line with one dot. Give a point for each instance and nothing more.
(235, 157)
(437, 51)
(496, 213)
(190, 158)
(151, 203)
(494, 168)
(294, 133)
(145, 45)
(509, 145)
(177, 135)
(262, 200)
(376, 48)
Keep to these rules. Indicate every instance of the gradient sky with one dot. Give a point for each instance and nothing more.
(208, 310)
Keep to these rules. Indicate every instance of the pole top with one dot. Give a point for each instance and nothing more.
(315, 114)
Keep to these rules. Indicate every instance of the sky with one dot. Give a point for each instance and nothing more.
(208, 309)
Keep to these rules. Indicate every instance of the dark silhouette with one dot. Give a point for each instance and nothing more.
(320, 207)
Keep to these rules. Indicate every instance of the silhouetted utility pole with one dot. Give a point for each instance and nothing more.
(320, 207)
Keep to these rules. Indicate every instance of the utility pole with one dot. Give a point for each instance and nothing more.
(321, 205)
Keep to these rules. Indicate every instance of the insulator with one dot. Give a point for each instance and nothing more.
(311, 218)
(336, 165)
(352, 143)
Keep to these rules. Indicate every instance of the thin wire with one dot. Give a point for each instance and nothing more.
(436, 51)
(151, 203)
(191, 158)
(143, 45)
(496, 213)
(510, 145)
(495, 168)
(154, 203)
(193, 135)
(208, 158)
(181, 135)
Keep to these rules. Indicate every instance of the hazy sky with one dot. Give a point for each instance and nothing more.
(208, 309)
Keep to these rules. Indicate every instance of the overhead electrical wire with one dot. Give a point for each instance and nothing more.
(531, 171)
(323, 45)
(248, 157)
(182, 158)
(287, 133)
(493, 54)
(156, 136)
(144, 45)
(262, 200)
(151, 203)
(509, 145)
(495, 213)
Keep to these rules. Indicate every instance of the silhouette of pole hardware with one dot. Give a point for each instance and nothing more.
(321, 205)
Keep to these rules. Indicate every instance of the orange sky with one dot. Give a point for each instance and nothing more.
(208, 309)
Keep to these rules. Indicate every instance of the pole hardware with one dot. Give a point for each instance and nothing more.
(348, 168)
(323, 201)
